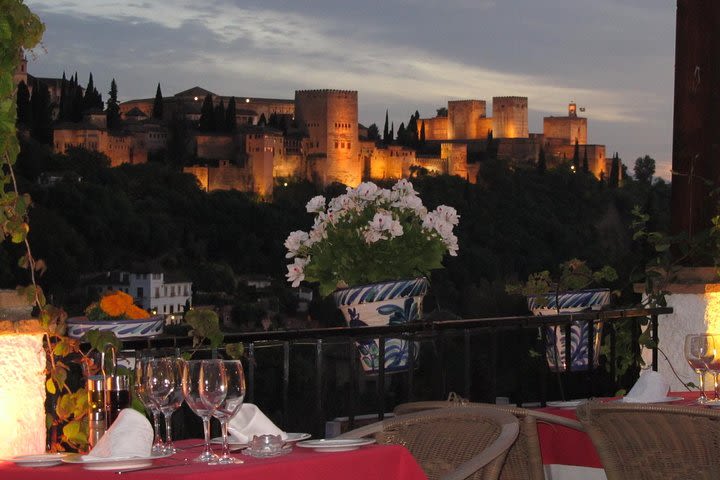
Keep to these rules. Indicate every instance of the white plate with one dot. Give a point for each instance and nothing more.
(659, 400)
(567, 403)
(120, 463)
(335, 445)
(236, 444)
(715, 403)
(39, 460)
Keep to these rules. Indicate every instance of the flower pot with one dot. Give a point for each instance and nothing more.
(378, 304)
(145, 327)
(569, 302)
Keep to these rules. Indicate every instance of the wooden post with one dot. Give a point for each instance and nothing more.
(696, 122)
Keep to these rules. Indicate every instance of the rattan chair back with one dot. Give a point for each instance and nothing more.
(524, 459)
(649, 442)
(450, 444)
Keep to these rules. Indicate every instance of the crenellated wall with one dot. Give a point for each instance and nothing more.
(510, 117)
(566, 129)
(464, 120)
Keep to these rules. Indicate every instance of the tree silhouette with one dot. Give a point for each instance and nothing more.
(157, 111)
(644, 169)
(113, 108)
(386, 129)
(542, 163)
(41, 113)
(207, 115)
(576, 156)
(585, 165)
(24, 111)
(231, 115)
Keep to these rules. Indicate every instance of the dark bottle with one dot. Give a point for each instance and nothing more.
(96, 409)
(117, 396)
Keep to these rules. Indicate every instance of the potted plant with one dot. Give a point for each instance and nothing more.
(116, 312)
(372, 249)
(568, 293)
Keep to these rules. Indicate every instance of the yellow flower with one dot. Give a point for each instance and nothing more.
(136, 313)
(116, 303)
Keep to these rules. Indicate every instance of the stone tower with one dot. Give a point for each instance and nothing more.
(330, 120)
(510, 117)
(464, 119)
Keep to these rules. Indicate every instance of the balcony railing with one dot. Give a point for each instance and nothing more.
(303, 378)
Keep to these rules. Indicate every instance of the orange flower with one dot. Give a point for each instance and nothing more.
(116, 303)
(136, 313)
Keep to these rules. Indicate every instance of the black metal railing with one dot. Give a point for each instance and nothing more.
(302, 378)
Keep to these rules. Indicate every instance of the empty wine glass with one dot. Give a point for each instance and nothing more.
(164, 386)
(699, 353)
(141, 391)
(230, 406)
(194, 377)
(714, 365)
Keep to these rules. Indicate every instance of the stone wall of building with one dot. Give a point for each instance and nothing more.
(510, 117)
(436, 128)
(464, 120)
(455, 154)
(330, 120)
(388, 163)
(595, 154)
(566, 129)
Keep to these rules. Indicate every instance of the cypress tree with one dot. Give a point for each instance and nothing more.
(157, 112)
(402, 135)
(76, 107)
(262, 121)
(392, 132)
(63, 99)
(542, 163)
(422, 134)
(220, 116)
(113, 108)
(207, 115)
(231, 115)
(89, 98)
(411, 132)
(585, 164)
(24, 112)
(41, 113)
(386, 130)
(576, 156)
(614, 180)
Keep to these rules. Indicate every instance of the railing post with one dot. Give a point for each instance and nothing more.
(567, 328)
(319, 415)
(250, 394)
(411, 367)
(381, 379)
(286, 382)
(656, 340)
(353, 383)
(468, 363)
(591, 356)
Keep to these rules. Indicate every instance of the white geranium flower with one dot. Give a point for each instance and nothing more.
(404, 187)
(366, 191)
(448, 214)
(296, 271)
(371, 236)
(316, 204)
(411, 202)
(451, 242)
(381, 221)
(395, 229)
(294, 241)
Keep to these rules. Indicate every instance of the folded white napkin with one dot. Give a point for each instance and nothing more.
(650, 387)
(250, 421)
(130, 435)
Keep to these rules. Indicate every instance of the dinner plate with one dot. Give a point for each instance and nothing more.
(335, 445)
(39, 460)
(119, 463)
(659, 400)
(236, 444)
(567, 403)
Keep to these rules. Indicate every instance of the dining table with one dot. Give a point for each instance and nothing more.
(569, 454)
(365, 463)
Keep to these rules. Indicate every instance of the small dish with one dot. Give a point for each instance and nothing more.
(38, 460)
(235, 444)
(336, 445)
(658, 400)
(567, 403)
(118, 463)
(250, 452)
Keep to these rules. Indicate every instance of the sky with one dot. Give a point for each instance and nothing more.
(614, 58)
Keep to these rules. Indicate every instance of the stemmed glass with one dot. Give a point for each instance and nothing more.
(230, 406)
(714, 365)
(195, 375)
(164, 386)
(141, 390)
(699, 353)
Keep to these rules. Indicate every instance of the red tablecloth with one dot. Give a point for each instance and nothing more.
(565, 446)
(367, 463)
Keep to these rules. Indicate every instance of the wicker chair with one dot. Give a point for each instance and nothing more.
(450, 444)
(650, 442)
(524, 460)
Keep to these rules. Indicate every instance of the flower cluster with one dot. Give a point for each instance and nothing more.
(115, 306)
(370, 234)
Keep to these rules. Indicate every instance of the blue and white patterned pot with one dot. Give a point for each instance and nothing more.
(570, 302)
(378, 304)
(145, 327)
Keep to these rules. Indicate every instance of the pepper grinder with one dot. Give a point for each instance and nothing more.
(96, 409)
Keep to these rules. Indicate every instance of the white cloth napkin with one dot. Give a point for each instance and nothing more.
(250, 421)
(650, 387)
(130, 435)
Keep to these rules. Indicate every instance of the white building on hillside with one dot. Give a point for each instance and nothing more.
(155, 292)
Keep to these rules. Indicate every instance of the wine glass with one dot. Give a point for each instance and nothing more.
(141, 391)
(699, 354)
(714, 365)
(193, 384)
(230, 406)
(164, 387)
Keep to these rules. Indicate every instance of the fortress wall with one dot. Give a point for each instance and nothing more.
(201, 174)
(595, 154)
(215, 147)
(456, 156)
(229, 177)
(436, 128)
(288, 165)
(463, 119)
(434, 165)
(510, 117)
(144, 105)
(566, 129)
(387, 163)
(519, 150)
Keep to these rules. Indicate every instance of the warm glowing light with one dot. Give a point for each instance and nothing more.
(247, 100)
(22, 394)
(195, 98)
(712, 312)
(285, 184)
